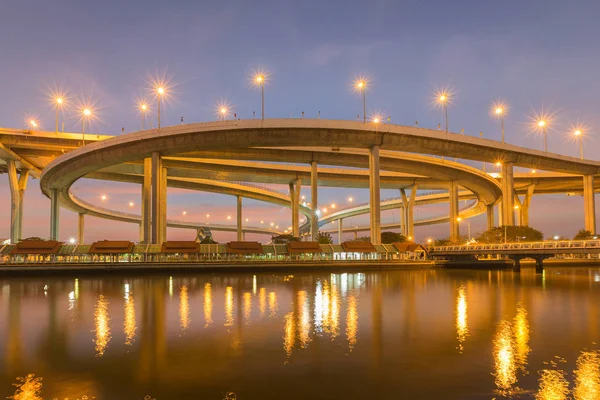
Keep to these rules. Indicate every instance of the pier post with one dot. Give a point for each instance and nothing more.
(589, 205)
(80, 227)
(375, 195)
(508, 214)
(54, 214)
(454, 226)
(314, 220)
(145, 223)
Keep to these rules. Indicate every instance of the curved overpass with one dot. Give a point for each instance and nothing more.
(271, 139)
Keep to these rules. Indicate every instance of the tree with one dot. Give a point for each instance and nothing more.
(324, 238)
(364, 239)
(392, 237)
(34, 238)
(442, 242)
(284, 239)
(208, 240)
(512, 233)
(583, 235)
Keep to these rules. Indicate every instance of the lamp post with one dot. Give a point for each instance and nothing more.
(86, 114)
(259, 79)
(160, 91)
(223, 112)
(579, 136)
(33, 123)
(499, 111)
(361, 86)
(58, 104)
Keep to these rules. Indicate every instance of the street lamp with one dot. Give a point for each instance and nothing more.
(86, 113)
(579, 136)
(499, 110)
(160, 91)
(58, 103)
(131, 204)
(33, 123)
(360, 84)
(259, 79)
(350, 199)
(223, 111)
(103, 198)
(143, 109)
(442, 98)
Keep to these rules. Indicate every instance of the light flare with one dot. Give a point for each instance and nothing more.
(184, 308)
(102, 325)
(462, 328)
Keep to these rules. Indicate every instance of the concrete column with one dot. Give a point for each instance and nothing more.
(23, 178)
(146, 225)
(13, 182)
(240, 235)
(295, 187)
(490, 216)
(54, 214)
(589, 205)
(80, 226)
(500, 218)
(410, 213)
(155, 196)
(314, 198)
(454, 225)
(355, 235)
(340, 230)
(404, 212)
(518, 210)
(375, 196)
(508, 214)
(163, 205)
(525, 205)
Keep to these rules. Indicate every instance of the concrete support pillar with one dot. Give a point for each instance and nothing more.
(163, 205)
(525, 205)
(508, 214)
(490, 216)
(355, 235)
(404, 212)
(155, 197)
(145, 224)
(500, 217)
(375, 196)
(340, 230)
(518, 211)
(13, 181)
(410, 213)
(295, 187)
(589, 205)
(454, 224)
(314, 203)
(80, 226)
(54, 214)
(240, 235)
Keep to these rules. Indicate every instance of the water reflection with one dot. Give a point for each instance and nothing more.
(247, 307)
(318, 319)
(208, 305)
(304, 319)
(102, 325)
(587, 376)
(352, 321)
(462, 328)
(521, 331)
(129, 324)
(229, 306)
(553, 384)
(505, 370)
(184, 308)
(272, 304)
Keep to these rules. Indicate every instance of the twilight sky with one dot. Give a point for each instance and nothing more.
(537, 54)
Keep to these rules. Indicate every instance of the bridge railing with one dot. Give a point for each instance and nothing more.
(549, 245)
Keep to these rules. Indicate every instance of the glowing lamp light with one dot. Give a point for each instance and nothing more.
(72, 240)
(184, 212)
(33, 123)
(498, 164)
(577, 133)
(87, 112)
(59, 100)
(498, 110)
(229, 217)
(103, 197)
(161, 90)
(516, 207)
(458, 219)
(144, 107)
(260, 78)
(131, 204)
(541, 123)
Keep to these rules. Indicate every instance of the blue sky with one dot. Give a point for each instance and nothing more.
(533, 55)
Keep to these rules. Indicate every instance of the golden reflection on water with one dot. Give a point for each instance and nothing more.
(184, 308)
(331, 309)
(208, 305)
(272, 304)
(521, 331)
(505, 370)
(352, 321)
(229, 306)
(553, 385)
(102, 325)
(289, 333)
(129, 324)
(318, 317)
(262, 301)
(304, 319)
(28, 388)
(462, 328)
(247, 307)
(587, 376)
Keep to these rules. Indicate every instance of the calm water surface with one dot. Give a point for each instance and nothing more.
(432, 334)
